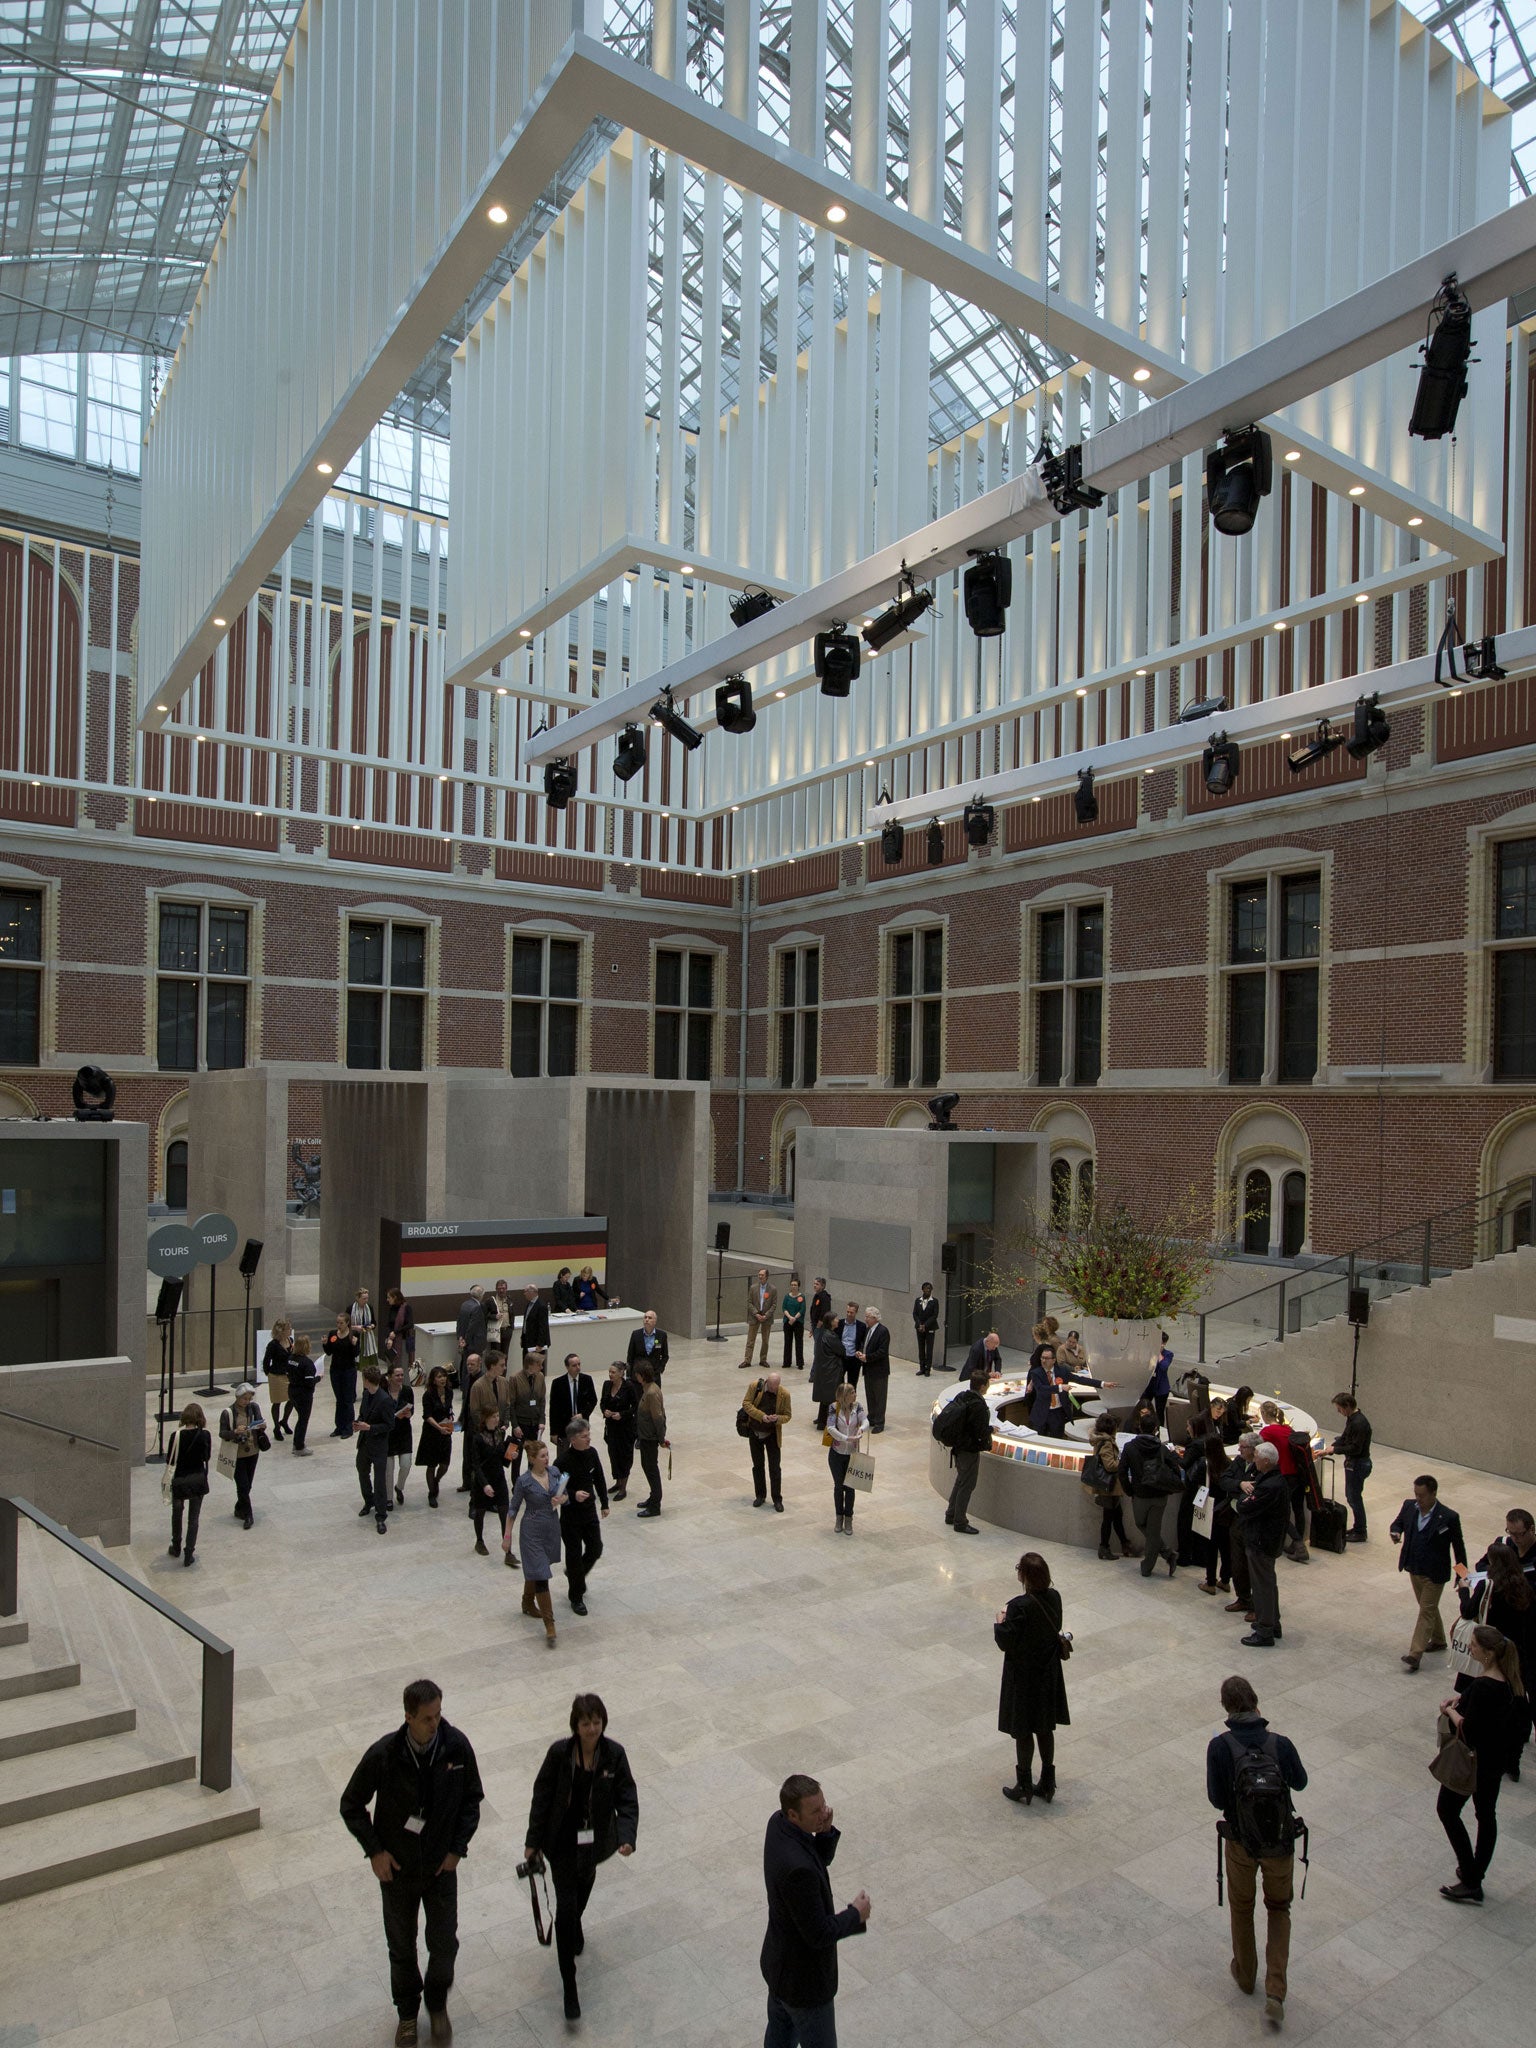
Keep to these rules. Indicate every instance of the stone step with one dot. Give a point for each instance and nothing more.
(14, 1630)
(63, 1848)
(31, 1725)
(84, 1773)
(23, 1672)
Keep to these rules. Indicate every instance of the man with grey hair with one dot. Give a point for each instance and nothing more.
(767, 1410)
(876, 1359)
(471, 1326)
(1263, 1507)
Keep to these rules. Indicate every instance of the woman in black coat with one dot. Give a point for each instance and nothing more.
(188, 1454)
(1033, 1704)
(584, 1809)
(434, 1453)
(829, 1367)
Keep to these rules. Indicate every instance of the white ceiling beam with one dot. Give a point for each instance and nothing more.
(1492, 261)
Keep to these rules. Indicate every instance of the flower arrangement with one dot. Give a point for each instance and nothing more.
(1117, 1259)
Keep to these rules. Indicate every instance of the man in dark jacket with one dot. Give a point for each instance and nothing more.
(375, 1420)
(1263, 1507)
(851, 1334)
(586, 1491)
(572, 1394)
(534, 1335)
(1353, 1445)
(975, 1436)
(1247, 1729)
(820, 1305)
(987, 1352)
(799, 1959)
(875, 1356)
(925, 1323)
(1149, 1474)
(1428, 1533)
(425, 1787)
(470, 1328)
(649, 1343)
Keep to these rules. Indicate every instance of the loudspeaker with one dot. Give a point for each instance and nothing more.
(169, 1301)
(949, 1258)
(722, 1237)
(1359, 1310)
(250, 1258)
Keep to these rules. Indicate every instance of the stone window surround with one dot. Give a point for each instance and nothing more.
(549, 928)
(687, 942)
(1064, 895)
(390, 913)
(917, 919)
(14, 876)
(1269, 864)
(790, 942)
(1483, 841)
(221, 896)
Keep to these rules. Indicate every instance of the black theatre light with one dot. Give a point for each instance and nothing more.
(559, 783)
(1219, 764)
(838, 654)
(733, 705)
(671, 720)
(935, 844)
(1371, 730)
(893, 834)
(630, 756)
(1084, 801)
(94, 1093)
(1443, 372)
(988, 591)
(939, 1107)
(750, 605)
(1238, 472)
(1482, 660)
(895, 620)
(978, 821)
(1318, 748)
(1207, 707)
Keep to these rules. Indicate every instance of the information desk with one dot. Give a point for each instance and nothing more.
(1033, 1483)
(438, 1343)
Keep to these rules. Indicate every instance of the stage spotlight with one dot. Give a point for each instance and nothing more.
(1218, 764)
(1062, 476)
(895, 620)
(750, 605)
(733, 705)
(838, 654)
(935, 844)
(939, 1108)
(94, 1093)
(1443, 373)
(1207, 707)
(559, 783)
(671, 720)
(893, 834)
(1238, 472)
(1318, 748)
(1371, 730)
(979, 818)
(630, 757)
(1481, 660)
(988, 591)
(1084, 802)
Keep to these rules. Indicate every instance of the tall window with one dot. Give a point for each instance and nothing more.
(1514, 962)
(546, 986)
(176, 1174)
(114, 398)
(799, 1015)
(685, 1015)
(203, 987)
(917, 1007)
(48, 404)
(21, 975)
(1069, 995)
(386, 1003)
(1274, 939)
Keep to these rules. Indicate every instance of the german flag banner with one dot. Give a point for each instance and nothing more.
(435, 1264)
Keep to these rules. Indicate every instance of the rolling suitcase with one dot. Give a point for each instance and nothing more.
(1330, 1517)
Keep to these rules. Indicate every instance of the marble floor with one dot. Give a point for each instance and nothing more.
(733, 1647)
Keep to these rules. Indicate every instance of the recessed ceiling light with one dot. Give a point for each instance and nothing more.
(666, 814)
(1415, 520)
(498, 213)
(36, 784)
(1141, 671)
(778, 693)
(866, 622)
(1034, 799)
(1362, 598)
(1357, 490)
(155, 800)
(837, 214)
(199, 737)
(1140, 376)
(1285, 735)
(525, 632)
(221, 622)
(686, 569)
(502, 690)
(1082, 693)
(735, 807)
(325, 469)
(160, 707)
(1456, 693)
(1293, 455)
(1281, 624)
(442, 778)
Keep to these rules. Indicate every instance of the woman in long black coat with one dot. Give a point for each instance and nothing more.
(829, 1368)
(1033, 1704)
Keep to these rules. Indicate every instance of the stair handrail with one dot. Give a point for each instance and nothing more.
(75, 1436)
(217, 1745)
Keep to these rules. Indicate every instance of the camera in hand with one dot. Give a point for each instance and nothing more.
(532, 1867)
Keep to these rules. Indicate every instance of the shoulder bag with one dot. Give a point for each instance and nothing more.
(228, 1458)
(168, 1475)
(1454, 1765)
(861, 1470)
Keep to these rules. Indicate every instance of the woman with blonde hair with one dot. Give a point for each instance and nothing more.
(536, 1497)
(846, 1424)
(274, 1366)
(1486, 1715)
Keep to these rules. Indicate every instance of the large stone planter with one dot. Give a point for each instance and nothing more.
(1124, 1351)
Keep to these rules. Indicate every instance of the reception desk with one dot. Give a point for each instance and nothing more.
(438, 1343)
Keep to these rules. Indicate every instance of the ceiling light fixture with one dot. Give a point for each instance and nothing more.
(748, 605)
(1084, 801)
(325, 468)
(1443, 372)
(895, 620)
(1371, 730)
(1416, 520)
(838, 655)
(733, 705)
(837, 214)
(935, 844)
(559, 782)
(221, 622)
(979, 820)
(988, 590)
(686, 569)
(1219, 765)
(1205, 707)
(629, 757)
(1239, 471)
(1141, 375)
(497, 214)
(1292, 455)
(672, 721)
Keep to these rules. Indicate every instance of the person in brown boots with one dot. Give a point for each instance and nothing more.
(537, 1495)
(1250, 1775)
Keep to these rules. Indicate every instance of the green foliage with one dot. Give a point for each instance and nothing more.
(1119, 1259)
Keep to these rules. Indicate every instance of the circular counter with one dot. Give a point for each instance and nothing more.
(1033, 1483)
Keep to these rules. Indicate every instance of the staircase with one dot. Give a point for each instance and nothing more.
(96, 1769)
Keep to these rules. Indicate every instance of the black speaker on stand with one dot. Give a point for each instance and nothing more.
(722, 1246)
(168, 1302)
(250, 1259)
(949, 1264)
(1359, 1313)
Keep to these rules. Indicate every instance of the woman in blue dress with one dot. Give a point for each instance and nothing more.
(536, 1497)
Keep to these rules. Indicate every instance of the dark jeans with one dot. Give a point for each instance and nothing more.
(245, 1472)
(800, 2026)
(1218, 1562)
(192, 1504)
(582, 1543)
(1147, 1511)
(1112, 1522)
(794, 1345)
(372, 1457)
(924, 1349)
(1472, 1864)
(766, 1449)
(621, 1455)
(877, 1385)
(573, 1878)
(302, 1405)
(1242, 1578)
(842, 1493)
(967, 1465)
(404, 1899)
(1356, 1473)
(1266, 1593)
(1024, 1754)
(498, 1505)
(344, 1387)
(650, 1465)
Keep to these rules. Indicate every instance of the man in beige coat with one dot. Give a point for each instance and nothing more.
(767, 1407)
(762, 1300)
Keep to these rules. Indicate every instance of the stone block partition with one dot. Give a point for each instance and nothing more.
(83, 1485)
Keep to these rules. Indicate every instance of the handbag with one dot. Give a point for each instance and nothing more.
(861, 1471)
(1205, 1509)
(168, 1476)
(743, 1422)
(261, 1440)
(1066, 1647)
(1462, 1662)
(228, 1458)
(826, 1439)
(1453, 1764)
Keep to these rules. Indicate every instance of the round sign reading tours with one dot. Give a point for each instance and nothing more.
(214, 1236)
(172, 1253)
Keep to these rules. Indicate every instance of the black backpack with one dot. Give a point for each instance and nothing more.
(949, 1425)
(1263, 1819)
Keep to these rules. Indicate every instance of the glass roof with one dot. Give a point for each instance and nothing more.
(1497, 40)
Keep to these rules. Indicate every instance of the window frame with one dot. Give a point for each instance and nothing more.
(1498, 947)
(545, 933)
(207, 904)
(913, 1015)
(1068, 902)
(1275, 970)
(388, 916)
(688, 946)
(35, 972)
(799, 1014)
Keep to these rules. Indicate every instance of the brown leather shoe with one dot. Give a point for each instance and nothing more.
(442, 2026)
(1411, 1659)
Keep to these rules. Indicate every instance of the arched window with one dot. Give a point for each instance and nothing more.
(1084, 1190)
(789, 1167)
(1256, 1212)
(1061, 1193)
(176, 1174)
(1293, 1214)
(1517, 1226)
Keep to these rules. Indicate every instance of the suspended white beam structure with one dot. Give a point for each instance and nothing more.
(1492, 260)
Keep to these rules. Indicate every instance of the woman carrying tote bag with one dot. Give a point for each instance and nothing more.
(846, 1424)
(242, 1437)
(1484, 1717)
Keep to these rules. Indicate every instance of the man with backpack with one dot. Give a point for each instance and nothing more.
(1250, 1775)
(964, 1427)
(1152, 1475)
